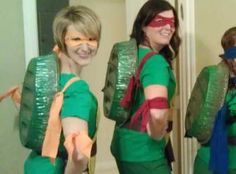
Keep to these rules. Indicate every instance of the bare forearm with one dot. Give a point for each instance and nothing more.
(75, 132)
(157, 123)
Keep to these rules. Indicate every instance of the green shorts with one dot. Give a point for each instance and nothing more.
(36, 164)
(152, 167)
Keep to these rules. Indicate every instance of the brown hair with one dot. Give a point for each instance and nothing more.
(145, 15)
(229, 38)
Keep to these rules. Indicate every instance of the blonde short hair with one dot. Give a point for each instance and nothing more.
(82, 18)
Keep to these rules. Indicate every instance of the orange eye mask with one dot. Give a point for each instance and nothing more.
(76, 39)
(160, 21)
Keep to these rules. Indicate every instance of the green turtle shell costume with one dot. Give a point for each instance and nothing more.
(40, 84)
(206, 99)
(121, 67)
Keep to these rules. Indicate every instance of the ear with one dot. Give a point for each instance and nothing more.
(56, 49)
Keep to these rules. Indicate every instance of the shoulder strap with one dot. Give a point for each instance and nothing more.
(72, 80)
(146, 57)
(54, 127)
(134, 82)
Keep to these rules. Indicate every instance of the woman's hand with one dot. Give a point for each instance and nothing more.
(158, 123)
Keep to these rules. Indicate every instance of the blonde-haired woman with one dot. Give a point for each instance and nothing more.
(77, 32)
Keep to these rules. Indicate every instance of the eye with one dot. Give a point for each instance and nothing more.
(76, 39)
(161, 22)
(92, 39)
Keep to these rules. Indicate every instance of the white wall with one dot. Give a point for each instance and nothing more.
(212, 19)
(12, 64)
(132, 8)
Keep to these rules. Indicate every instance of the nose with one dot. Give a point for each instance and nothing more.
(84, 46)
(168, 26)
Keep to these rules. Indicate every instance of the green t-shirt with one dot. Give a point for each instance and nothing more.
(204, 151)
(37, 164)
(130, 145)
(79, 102)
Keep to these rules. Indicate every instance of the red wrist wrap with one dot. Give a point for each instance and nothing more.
(144, 111)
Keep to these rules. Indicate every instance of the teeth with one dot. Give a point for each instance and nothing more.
(165, 34)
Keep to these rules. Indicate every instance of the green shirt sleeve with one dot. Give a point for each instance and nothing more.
(77, 101)
(155, 71)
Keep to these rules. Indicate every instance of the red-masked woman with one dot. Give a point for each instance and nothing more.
(138, 146)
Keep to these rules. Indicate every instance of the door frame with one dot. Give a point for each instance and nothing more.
(187, 72)
(30, 29)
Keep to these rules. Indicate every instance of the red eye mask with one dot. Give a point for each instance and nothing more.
(160, 21)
